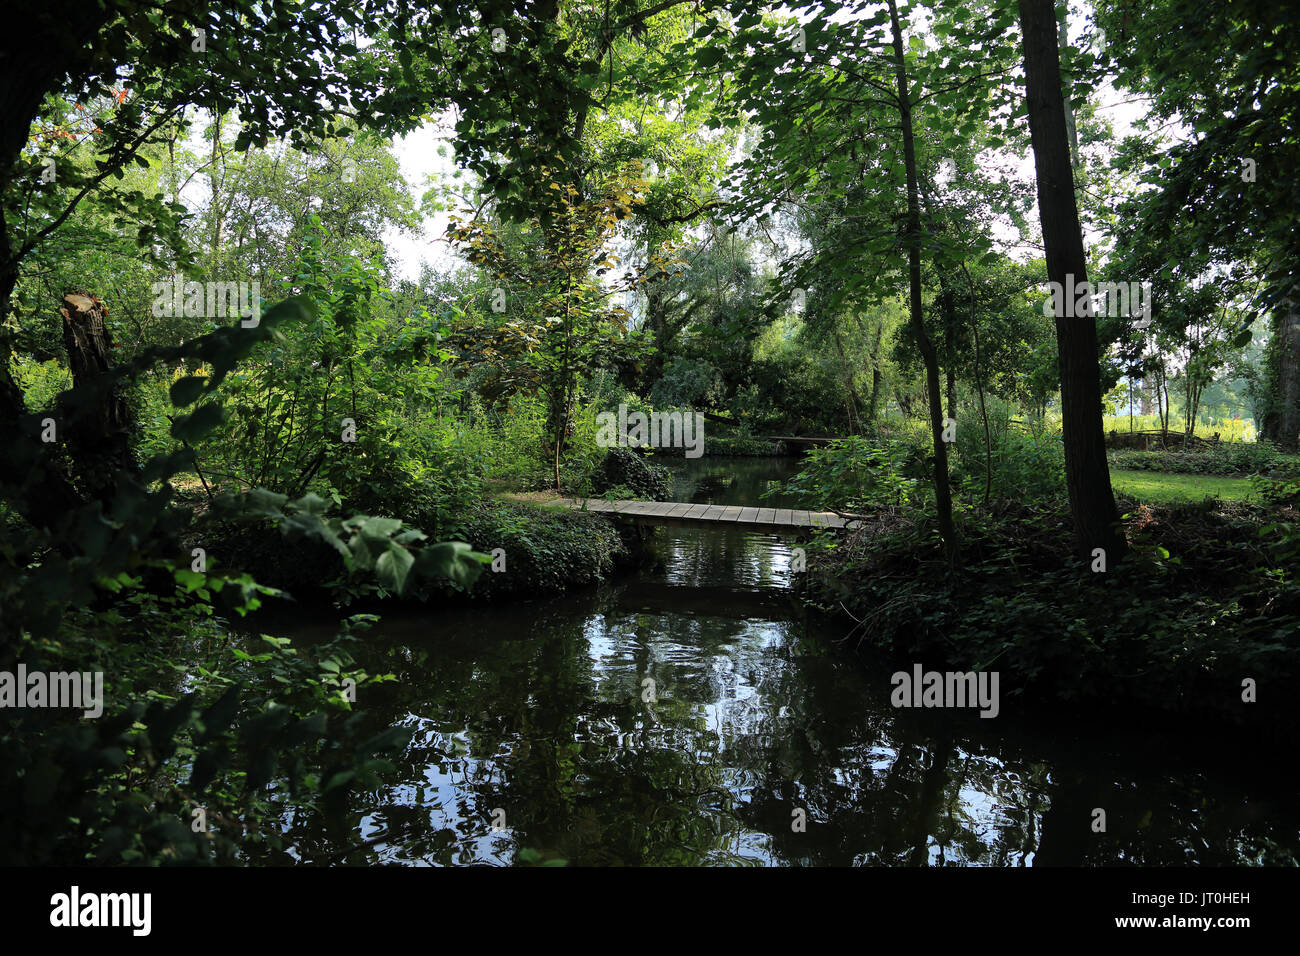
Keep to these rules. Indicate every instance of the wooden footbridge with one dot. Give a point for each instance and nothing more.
(685, 514)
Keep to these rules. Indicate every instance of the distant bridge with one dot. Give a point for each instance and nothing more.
(685, 514)
(797, 439)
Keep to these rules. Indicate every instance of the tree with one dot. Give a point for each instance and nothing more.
(1229, 73)
(1092, 503)
(559, 328)
(942, 490)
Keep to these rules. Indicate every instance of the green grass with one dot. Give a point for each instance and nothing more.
(1160, 487)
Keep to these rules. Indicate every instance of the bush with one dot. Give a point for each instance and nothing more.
(1235, 458)
(854, 474)
(1281, 486)
(1026, 463)
(743, 445)
(1025, 466)
(546, 550)
(1210, 594)
(688, 382)
(625, 468)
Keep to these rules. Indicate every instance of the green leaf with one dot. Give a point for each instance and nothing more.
(393, 567)
(193, 427)
(186, 391)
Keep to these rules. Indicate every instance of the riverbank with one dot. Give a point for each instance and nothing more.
(1197, 625)
(535, 551)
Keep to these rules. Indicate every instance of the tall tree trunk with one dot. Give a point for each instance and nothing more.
(873, 404)
(1281, 423)
(656, 320)
(1092, 502)
(979, 388)
(215, 184)
(948, 305)
(942, 491)
(876, 377)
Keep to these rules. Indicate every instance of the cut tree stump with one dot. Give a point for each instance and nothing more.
(97, 420)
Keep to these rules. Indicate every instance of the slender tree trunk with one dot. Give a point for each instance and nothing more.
(942, 491)
(1092, 502)
(853, 401)
(876, 377)
(979, 388)
(952, 393)
(948, 303)
(1164, 406)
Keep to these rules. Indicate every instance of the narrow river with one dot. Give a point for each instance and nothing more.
(691, 714)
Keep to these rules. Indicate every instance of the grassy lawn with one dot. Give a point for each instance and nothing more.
(1161, 487)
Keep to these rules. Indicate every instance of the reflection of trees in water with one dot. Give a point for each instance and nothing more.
(734, 559)
(731, 481)
(549, 726)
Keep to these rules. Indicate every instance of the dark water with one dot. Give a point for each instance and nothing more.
(534, 730)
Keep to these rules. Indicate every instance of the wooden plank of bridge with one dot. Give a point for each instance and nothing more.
(730, 514)
(682, 512)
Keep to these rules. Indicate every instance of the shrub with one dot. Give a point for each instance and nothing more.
(1025, 463)
(853, 474)
(1209, 594)
(546, 549)
(688, 382)
(1235, 458)
(625, 468)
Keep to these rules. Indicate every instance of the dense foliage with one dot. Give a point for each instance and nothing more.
(222, 384)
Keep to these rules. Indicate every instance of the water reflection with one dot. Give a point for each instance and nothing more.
(688, 714)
